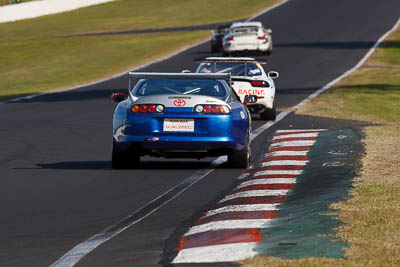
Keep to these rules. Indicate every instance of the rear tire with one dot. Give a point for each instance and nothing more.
(269, 114)
(124, 159)
(240, 158)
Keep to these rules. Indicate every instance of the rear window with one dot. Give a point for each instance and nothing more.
(213, 88)
(235, 68)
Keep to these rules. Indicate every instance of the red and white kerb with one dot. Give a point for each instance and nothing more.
(231, 229)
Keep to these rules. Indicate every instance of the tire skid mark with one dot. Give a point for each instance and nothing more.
(230, 229)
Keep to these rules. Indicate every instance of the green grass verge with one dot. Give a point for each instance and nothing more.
(372, 214)
(68, 62)
(37, 56)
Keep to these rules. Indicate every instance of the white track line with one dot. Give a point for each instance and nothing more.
(73, 256)
(255, 193)
(236, 208)
(269, 172)
(284, 163)
(269, 124)
(293, 143)
(295, 135)
(218, 253)
(267, 181)
(228, 224)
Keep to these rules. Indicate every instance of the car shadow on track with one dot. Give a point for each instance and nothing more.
(145, 165)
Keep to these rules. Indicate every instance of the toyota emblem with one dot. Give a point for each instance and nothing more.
(179, 103)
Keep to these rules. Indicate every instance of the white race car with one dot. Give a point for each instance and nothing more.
(247, 36)
(248, 78)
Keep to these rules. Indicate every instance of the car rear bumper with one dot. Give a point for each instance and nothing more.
(208, 133)
(177, 146)
(232, 47)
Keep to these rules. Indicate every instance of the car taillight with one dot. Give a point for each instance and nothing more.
(143, 108)
(215, 109)
(230, 39)
(148, 108)
(151, 108)
(135, 108)
(261, 38)
(211, 109)
(259, 83)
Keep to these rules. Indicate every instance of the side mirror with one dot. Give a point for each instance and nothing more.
(269, 31)
(118, 97)
(273, 74)
(250, 99)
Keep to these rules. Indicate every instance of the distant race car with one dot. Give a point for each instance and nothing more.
(189, 115)
(247, 36)
(217, 36)
(248, 78)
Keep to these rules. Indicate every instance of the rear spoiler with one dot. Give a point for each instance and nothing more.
(180, 76)
(250, 80)
(241, 79)
(229, 60)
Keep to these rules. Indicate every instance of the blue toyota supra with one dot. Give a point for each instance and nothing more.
(180, 115)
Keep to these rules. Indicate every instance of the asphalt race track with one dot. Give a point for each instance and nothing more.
(57, 188)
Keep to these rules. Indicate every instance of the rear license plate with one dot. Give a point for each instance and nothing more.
(178, 125)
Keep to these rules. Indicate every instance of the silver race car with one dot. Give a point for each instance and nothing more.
(248, 78)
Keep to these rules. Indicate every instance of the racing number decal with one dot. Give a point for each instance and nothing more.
(179, 103)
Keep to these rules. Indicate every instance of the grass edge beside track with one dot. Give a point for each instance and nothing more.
(24, 71)
(372, 213)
